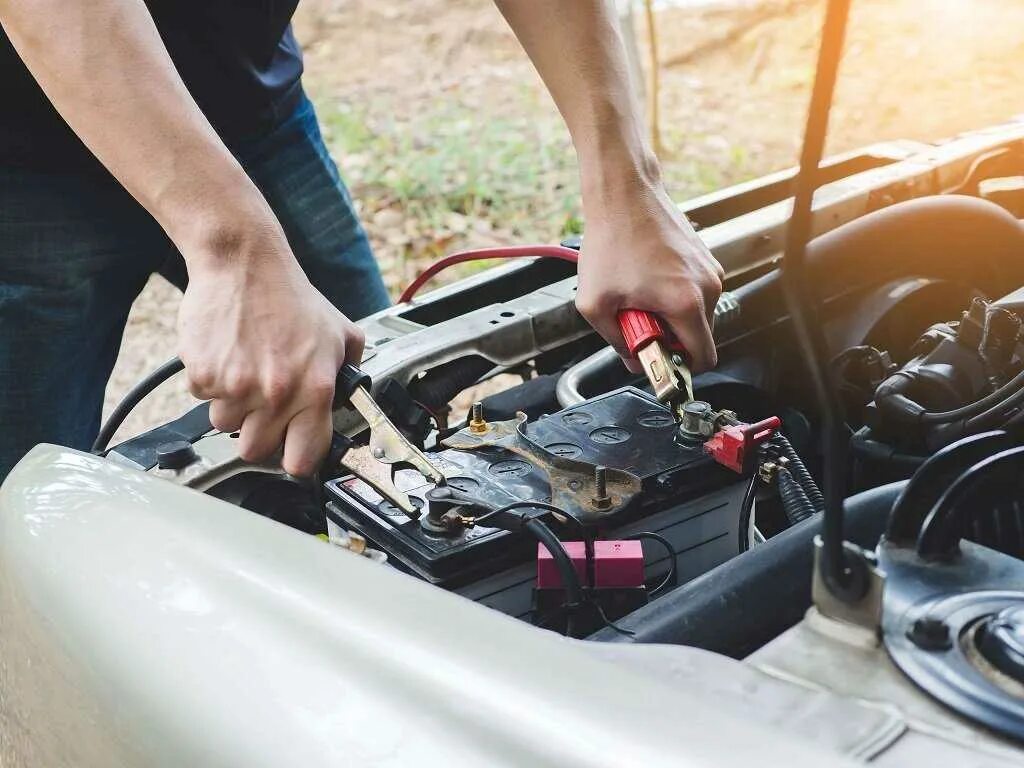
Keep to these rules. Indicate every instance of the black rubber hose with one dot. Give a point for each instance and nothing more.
(441, 384)
(998, 414)
(949, 237)
(891, 398)
(570, 579)
(800, 473)
(992, 481)
(135, 396)
(795, 503)
(931, 480)
(739, 606)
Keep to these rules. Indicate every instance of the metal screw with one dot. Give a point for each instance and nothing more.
(477, 423)
(378, 453)
(930, 634)
(677, 360)
(601, 498)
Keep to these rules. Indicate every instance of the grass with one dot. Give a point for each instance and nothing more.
(449, 178)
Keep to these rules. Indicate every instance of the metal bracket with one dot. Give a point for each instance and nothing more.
(866, 612)
(575, 485)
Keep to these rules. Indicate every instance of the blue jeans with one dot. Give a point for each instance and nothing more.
(76, 250)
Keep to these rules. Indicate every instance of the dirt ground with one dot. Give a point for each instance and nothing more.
(407, 89)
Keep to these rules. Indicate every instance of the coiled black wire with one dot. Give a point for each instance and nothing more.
(795, 503)
(800, 473)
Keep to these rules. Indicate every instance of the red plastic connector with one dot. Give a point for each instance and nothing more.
(735, 446)
(617, 564)
(639, 328)
(548, 576)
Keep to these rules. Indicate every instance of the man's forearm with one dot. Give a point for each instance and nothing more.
(577, 48)
(104, 67)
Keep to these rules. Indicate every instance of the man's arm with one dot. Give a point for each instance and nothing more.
(639, 252)
(256, 338)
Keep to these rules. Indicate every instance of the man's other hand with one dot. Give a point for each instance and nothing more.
(264, 346)
(639, 252)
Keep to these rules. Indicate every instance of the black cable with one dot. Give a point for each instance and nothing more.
(524, 504)
(570, 579)
(746, 509)
(135, 396)
(1010, 390)
(795, 503)
(997, 415)
(804, 304)
(609, 623)
(673, 566)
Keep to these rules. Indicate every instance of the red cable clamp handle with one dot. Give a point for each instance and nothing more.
(639, 328)
(735, 446)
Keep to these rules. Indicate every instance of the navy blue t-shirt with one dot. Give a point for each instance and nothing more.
(238, 59)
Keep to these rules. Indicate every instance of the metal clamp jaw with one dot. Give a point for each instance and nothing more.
(663, 358)
(387, 443)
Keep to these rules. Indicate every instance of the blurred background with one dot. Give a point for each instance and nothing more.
(447, 138)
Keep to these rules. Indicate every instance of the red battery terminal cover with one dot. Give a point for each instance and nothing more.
(735, 446)
(617, 564)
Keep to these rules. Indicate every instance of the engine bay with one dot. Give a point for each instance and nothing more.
(569, 496)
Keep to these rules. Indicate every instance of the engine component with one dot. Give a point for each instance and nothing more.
(681, 494)
(735, 445)
(952, 611)
(965, 377)
(587, 493)
(772, 582)
(613, 573)
(615, 564)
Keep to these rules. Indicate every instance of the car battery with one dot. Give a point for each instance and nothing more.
(625, 429)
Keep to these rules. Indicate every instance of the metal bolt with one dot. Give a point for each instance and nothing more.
(696, 419)
(477, 423)
(378, 453)
(677, 360)
(930, 634)
(601, 498)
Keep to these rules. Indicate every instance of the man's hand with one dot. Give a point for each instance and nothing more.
(265, 347)
(255, 336)
(639, 252)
